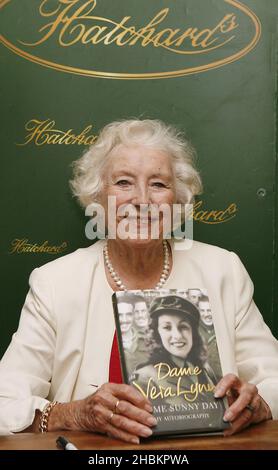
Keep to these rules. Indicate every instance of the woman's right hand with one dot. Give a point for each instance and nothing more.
(117, 410)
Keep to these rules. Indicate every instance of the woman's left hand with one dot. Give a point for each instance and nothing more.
(246, 406)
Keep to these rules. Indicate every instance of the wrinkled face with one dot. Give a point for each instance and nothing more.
(205, 312)
(139, 175)
(125, 311)
(175, 334)
(141, 315)
(194, 295)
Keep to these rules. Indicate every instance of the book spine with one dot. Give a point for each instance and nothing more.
(118, 332)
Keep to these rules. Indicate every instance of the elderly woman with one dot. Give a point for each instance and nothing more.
(55, 373)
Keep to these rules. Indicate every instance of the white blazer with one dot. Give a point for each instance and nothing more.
(61, 349)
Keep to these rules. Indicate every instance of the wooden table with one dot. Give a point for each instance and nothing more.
(263, 436)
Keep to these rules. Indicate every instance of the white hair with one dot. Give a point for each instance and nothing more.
(88, 171)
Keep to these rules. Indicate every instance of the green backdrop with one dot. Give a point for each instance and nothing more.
(209, 67)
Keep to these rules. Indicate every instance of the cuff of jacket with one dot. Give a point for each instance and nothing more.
(268, 390)
(19, 414)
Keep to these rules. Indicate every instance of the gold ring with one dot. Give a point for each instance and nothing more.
(116, 406)
(250, 408)
(110, 417)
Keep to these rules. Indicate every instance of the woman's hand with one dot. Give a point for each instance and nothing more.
(117, 410)
(246, 406)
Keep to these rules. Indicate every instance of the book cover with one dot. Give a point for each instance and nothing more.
(169, 353)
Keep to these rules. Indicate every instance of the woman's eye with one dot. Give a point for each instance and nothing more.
(158, 184)
(185, 328)
(123, 183)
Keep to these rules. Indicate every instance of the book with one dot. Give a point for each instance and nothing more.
(168, 352)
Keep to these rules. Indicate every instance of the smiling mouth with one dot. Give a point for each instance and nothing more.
(178, 344)
(139, 216)
(142, 219)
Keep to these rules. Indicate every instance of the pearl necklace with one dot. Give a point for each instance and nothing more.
(116, 278)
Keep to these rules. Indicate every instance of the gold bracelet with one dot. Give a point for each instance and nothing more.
(43, 426)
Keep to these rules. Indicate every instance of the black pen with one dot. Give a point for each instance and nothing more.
(65, 444)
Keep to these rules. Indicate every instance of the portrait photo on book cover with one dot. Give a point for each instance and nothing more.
(169, 353)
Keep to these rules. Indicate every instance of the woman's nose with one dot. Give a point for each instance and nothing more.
(176, 334)
(141, 195)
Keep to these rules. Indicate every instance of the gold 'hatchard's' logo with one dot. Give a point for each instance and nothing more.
(23, 245)
(44, 132)
(129, 40)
